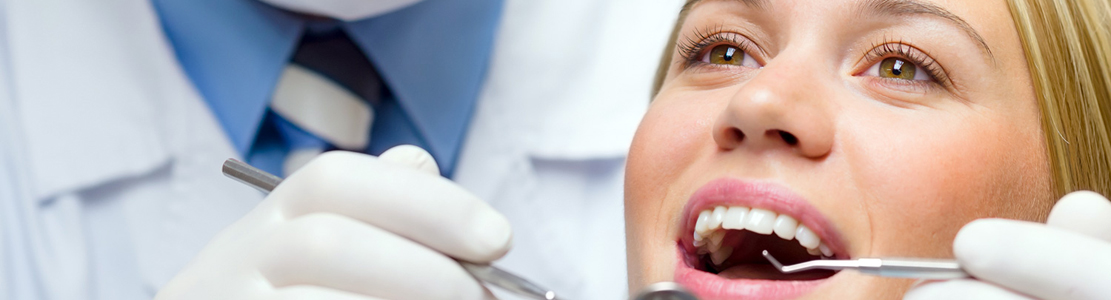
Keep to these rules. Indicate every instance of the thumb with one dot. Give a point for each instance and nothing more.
(1035, 259)
(411, 156)
(1084, 212)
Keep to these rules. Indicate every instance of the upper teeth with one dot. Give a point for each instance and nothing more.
(708, 234)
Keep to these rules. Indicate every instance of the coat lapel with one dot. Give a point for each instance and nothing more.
(87, 94)
(102, 102)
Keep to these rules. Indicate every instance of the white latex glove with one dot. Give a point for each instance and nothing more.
(1069, 257)
(352, 226)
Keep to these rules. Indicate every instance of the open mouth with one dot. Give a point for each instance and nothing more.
(729, 240)
(729, 222)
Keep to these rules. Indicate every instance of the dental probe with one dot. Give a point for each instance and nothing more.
(266, 182)
(921, 268)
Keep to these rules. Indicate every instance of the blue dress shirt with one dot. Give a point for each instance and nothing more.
(432, 57)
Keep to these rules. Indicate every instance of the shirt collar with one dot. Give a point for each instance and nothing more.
(431, 55)
(234, 51)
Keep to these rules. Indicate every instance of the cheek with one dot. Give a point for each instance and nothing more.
(926, 177)
(671, 136)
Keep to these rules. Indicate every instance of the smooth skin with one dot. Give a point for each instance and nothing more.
(898, 166)
(1065, 258)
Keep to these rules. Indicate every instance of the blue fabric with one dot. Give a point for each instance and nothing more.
(277, 137)
(294, 137)
(432, 57)
(326, 49)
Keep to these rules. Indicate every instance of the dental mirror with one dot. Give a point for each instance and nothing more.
(664, 291)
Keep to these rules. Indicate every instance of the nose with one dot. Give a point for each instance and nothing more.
(776, 111)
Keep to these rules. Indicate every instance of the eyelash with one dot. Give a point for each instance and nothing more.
(691, 49)
(889, 48)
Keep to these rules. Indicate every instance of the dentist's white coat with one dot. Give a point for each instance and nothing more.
(109, 158)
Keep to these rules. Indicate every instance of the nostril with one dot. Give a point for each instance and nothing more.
(788, 137)
(738, 135)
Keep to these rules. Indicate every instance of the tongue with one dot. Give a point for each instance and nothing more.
(768, 272)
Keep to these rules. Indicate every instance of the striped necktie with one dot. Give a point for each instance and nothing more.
(325, 97)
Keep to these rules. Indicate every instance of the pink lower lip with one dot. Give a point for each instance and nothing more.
(730, 191)
(709, 286)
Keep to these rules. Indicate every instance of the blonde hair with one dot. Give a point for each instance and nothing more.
(669, 48)
(1068, 50)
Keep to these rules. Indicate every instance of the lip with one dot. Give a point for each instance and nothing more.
(753, 194)
(709, 286)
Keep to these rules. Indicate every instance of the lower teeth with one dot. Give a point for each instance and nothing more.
(737, 256)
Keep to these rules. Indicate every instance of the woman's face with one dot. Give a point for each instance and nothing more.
(881, 126)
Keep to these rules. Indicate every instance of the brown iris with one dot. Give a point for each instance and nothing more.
(726, 55)
(897, 68)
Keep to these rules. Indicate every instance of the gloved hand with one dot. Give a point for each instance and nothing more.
(352, 226)
(1069, 257)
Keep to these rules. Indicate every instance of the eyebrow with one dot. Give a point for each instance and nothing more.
(893, 8)
(915, 7)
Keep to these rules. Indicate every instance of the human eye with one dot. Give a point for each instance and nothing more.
(902, 65)
(898, 68)
(717, 48)
(729, 55)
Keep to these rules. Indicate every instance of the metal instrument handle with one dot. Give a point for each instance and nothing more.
(266, 182)
(934, 269)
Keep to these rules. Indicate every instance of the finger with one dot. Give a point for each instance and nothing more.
(340, 253)
(423, 207)
(309, 292)
(1034, 259)
(412, 156)
(1086, 212)
(961, 289)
